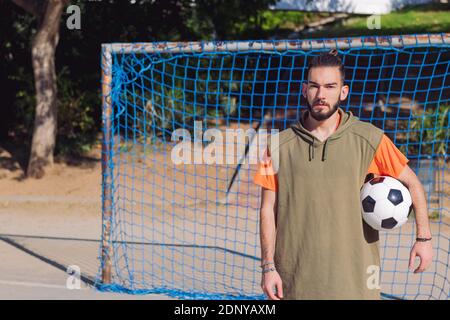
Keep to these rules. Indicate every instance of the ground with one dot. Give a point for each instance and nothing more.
(47, 225)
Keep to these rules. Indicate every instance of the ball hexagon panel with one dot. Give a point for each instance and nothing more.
(376, 180)
(389, 223)
(379, 191)
(401, 213)
(395, 196)
(368, 204)
(365, 190)
(401, 222)
(392, 183)
(372, 220)
(384, 209)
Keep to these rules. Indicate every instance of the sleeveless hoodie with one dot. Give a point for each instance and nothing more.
(324, 249)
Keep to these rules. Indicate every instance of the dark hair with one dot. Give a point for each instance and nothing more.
(327, 59)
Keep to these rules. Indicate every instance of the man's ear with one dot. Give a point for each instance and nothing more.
(304, 88)
(344, 92)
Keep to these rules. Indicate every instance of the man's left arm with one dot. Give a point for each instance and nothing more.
(423, 250)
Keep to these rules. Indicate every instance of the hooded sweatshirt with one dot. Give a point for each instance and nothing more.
(324, 249)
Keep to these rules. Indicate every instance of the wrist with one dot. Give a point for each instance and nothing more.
(423, 234)
(267, 260)
(268, 263)
(423, 231)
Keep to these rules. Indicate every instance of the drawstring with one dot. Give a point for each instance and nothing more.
(311, 150)
(298, 129)
(324, 151)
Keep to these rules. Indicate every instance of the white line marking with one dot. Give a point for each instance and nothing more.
(62, 199)
(35, 284)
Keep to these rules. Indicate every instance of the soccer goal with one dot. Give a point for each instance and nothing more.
(190, 228)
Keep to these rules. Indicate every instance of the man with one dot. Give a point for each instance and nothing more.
(314, 242)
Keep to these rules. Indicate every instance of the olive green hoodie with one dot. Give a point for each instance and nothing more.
(323, 248)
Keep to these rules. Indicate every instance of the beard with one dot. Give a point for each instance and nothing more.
(319, 116)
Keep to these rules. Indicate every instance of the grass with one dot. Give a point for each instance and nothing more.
(429, 18)
(418, 19)
(288, 20)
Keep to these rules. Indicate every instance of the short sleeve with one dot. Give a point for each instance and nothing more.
(388, 159)
(265, 175)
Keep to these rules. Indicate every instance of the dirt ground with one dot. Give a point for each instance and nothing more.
(56, 222)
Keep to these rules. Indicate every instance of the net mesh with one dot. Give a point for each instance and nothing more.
(192, 230)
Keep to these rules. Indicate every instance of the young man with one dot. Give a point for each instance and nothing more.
(314, 242)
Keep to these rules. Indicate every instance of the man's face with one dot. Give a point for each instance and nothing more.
(324, 91)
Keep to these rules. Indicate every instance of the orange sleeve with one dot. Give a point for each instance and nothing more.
(265, 175)
(388, 160)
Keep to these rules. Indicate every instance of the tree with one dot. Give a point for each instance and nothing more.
(48, 16)
(224, 18)
(66, 95)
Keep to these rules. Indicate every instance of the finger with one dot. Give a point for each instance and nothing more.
(271, 294)
(280, 290)
(420, 268)
(424, 264)
(411, 260)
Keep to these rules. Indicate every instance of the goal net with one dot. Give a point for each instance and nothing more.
(189, 227)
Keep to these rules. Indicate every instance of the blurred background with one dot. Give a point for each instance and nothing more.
(77, 53)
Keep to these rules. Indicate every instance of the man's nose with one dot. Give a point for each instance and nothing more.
(320, 93)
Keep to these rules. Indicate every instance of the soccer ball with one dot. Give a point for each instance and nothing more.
(386, 203)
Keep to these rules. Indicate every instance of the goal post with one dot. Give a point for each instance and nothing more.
(107, 161)
(190, 228)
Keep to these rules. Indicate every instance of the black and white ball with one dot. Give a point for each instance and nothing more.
(386, 203)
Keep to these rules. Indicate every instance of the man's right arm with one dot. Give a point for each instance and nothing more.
(267, 225)
(270, 277)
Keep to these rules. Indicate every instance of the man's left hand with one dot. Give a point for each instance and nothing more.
(424, 251)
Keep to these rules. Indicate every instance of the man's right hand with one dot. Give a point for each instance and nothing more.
(271, 280)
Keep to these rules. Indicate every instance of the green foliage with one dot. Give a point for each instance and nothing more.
(76, 126)
(428, 18)
(78, 55)
(227, 19)
(275, 20)
(16, 74)
(25, 103)
(176, 93)
(430, 130)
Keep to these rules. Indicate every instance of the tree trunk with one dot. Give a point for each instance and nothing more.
(43, 58)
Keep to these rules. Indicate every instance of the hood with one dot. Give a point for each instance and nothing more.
(347, 120)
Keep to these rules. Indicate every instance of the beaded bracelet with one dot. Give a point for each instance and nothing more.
(266, 264)
(423, 239)
(269, 270)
